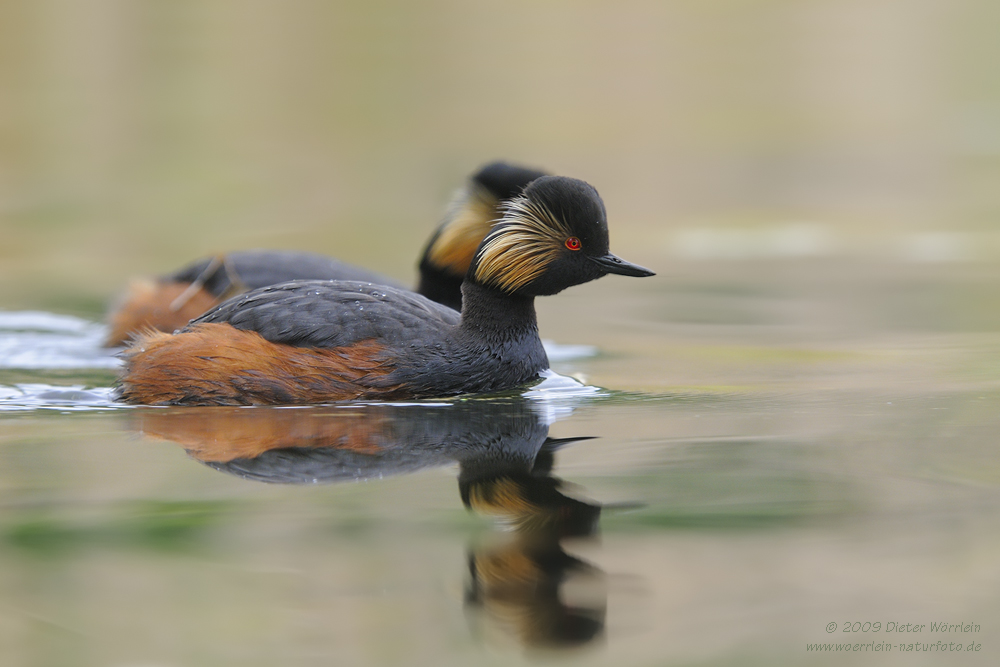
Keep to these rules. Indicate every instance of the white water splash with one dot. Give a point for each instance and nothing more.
(38, 340)
(72, 398)
(556, 396)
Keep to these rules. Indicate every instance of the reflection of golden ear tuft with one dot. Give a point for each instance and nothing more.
(507, 567)
(503, 498)
(517, 590)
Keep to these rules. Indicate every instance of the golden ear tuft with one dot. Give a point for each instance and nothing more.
(519, 249)
(470, 215)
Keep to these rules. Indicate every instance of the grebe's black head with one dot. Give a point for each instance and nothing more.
(551, 237)
(469, 218)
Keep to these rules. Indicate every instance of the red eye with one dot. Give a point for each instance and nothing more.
(573, 243)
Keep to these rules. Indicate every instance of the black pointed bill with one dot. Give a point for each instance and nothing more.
(553, 444)
(613, 264)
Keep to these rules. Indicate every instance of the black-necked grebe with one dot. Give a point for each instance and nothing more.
(170, 302)
(322, 341)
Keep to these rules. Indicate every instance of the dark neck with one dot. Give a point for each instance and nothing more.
(440, 286)
(496, 315)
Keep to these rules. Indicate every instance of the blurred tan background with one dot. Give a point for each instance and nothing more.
(135, 136)
(815, 182)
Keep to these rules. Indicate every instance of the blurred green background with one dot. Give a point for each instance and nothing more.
(135, 136)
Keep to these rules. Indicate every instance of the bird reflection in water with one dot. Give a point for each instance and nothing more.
(522, 582)
(517, 579)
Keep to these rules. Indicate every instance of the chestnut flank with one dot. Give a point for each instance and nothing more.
(217, 364)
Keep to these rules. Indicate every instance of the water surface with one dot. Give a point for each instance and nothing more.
(725, 499)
